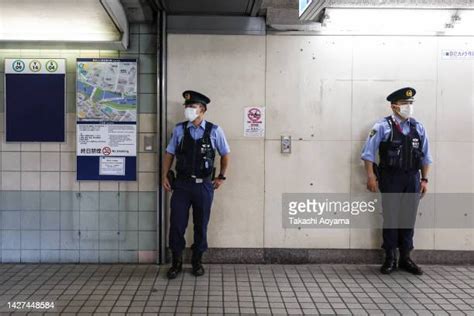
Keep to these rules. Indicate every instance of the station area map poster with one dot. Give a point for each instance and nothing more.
(106, 100)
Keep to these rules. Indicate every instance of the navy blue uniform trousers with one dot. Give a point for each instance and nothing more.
(400, 200)
(186, 194)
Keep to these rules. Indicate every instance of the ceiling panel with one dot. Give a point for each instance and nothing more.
(208, 7)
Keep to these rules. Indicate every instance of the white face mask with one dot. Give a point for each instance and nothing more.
(406, 110)
(190, 114)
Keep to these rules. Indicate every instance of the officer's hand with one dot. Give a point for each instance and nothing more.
(217, 183)
(372, 183)
(166, 184)
(423, 188)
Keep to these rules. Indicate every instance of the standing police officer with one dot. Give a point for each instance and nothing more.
(403, 150)
(193, 142)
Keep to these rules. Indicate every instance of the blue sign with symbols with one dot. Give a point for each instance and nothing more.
(35, 100)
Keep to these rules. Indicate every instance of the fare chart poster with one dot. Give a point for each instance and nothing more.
(106, 125)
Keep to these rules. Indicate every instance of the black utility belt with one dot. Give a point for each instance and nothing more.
(194, 178)
(394, 171)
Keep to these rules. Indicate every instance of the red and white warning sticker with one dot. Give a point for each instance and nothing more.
(254, 122)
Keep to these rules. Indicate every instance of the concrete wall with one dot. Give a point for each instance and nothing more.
(326, 92)
(48, 216)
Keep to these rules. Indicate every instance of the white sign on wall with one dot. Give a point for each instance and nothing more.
(106, 140)
(254, 121)
(457, 54)
(112, 166)
(35, 66)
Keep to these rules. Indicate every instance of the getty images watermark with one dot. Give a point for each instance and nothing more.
(376, 210)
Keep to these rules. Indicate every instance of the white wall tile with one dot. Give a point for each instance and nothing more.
(9, 146)
(50, 181)
(49, 147)
(108, 186)
(147, 162)
(30, 181)
(146, 123)
(30, 161)
(128, 186)
(11, 180)
(11, 161)
(69, 182)
(30, 147)
(68, 161)
(89, 185)
(50, 161)
(147, 181)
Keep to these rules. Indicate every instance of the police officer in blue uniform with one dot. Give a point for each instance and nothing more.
(193, 144)
(403, 150)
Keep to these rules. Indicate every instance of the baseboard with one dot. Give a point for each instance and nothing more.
(325, 256)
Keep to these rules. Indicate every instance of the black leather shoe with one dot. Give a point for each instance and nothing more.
(390, 263)
(197, 269)
(408, 265)
(176, 267)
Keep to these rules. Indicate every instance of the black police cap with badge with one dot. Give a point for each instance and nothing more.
(401, 94)
(191, 97)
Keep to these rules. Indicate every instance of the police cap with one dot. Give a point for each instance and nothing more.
(401, 94)
(191, 97)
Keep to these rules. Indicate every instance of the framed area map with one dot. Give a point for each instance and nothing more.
(106, 125)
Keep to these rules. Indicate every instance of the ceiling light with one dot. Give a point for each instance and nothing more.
(62, 21)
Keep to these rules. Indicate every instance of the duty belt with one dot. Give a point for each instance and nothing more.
(193, 178)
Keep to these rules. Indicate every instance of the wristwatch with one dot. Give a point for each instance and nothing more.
(221, 176)
(424, 180)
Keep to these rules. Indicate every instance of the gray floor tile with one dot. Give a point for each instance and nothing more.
(238, 289)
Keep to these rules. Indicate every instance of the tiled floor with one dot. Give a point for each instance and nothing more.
(237, 289)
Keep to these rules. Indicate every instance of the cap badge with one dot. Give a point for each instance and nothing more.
(409, 93)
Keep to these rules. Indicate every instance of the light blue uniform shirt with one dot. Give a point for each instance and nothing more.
(381, 132)
(218, 139)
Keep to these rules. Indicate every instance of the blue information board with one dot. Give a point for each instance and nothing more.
(35, 106)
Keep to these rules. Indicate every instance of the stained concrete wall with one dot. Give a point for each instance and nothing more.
(326, 92)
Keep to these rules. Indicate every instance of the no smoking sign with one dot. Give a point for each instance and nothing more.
(106, 151)
(254, 115)
(254, 122)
